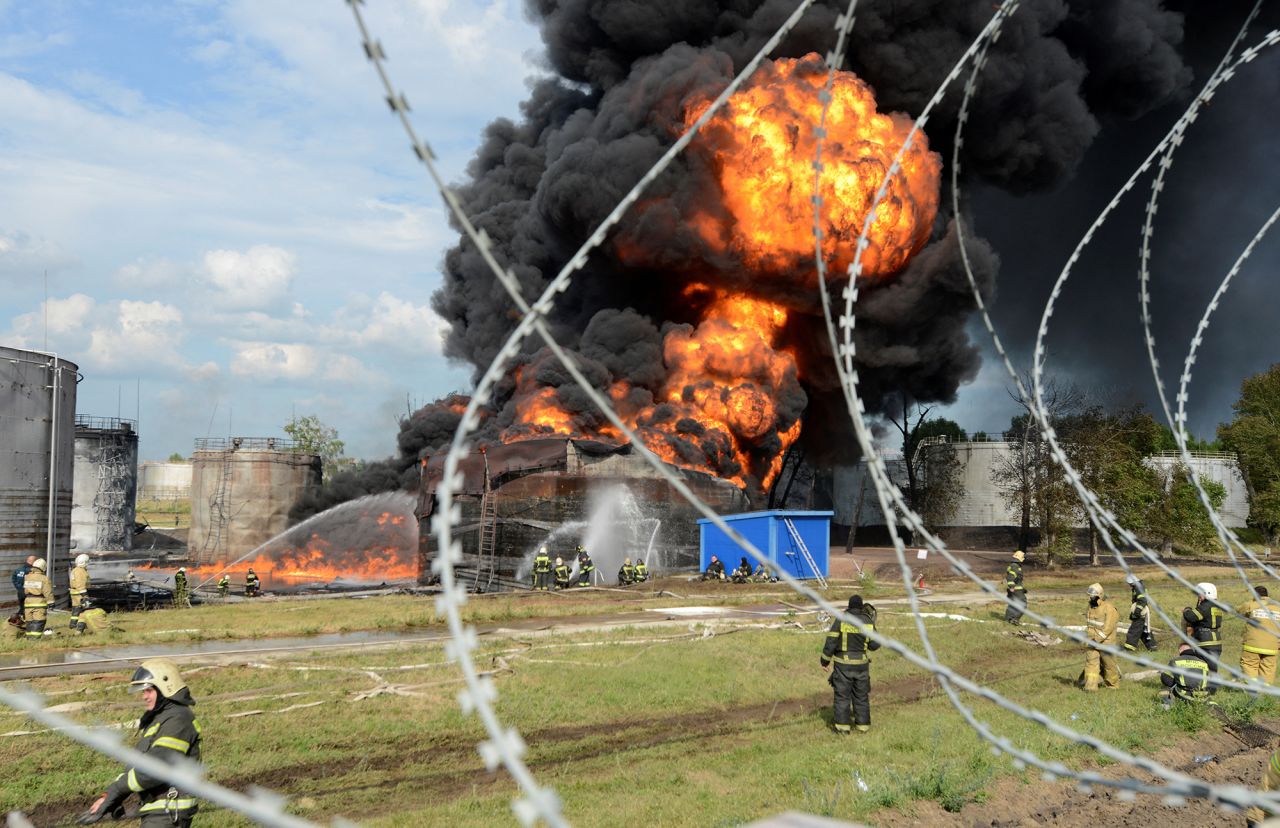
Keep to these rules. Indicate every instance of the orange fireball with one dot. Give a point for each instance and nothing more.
(763, 143)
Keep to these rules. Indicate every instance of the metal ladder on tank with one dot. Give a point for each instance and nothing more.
(804, 551)
(218, 508)
(487, 560)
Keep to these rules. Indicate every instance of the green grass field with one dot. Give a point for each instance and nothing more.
(686, 725)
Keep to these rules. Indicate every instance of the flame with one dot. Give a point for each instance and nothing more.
(720, 408)
(763, 144)
(384, 552)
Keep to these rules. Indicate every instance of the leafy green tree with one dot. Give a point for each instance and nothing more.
(1180, 519)
(177, 457)
(1254, 435)
(312, 436)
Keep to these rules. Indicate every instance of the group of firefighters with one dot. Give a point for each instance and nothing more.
(742, 575)
(35, 594)
(545, 575)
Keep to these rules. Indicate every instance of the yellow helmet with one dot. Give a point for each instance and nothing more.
(160, 673)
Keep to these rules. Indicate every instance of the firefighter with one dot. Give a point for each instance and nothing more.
(169, 732)
(1139, 617)
(627, 573)
(542, 571)
(763, 575)
(224, 586)
(642, 571)
(847, 646)
(18, 575)
(1100, 620)
(585, 568)
(181, 589)
(1204, 624)
(1261, 642)
(251, 584)
(1270, 782)
(1014, 590)
(562, 574)
(79, 591)
(714, 570)
(743, 573)
(1194, 687)
(39, 597)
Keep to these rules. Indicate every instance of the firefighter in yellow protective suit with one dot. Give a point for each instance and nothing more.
(1261, 642)
(642, 571)
(38, 599)
(170, 732)
(542, 571)
(79, 591)
(1270, 782)
(1014, 589)
(1101, 620)
(562, 574)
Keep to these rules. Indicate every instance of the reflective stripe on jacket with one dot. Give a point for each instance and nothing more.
(39, 590)
(1205, 619)
(79, 581)
(848, 643)
(1263, 639)
(174, 733)
(1013, 578)
(1101, 621)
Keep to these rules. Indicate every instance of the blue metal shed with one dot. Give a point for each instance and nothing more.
(769, 532)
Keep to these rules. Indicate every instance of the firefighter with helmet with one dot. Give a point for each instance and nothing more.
(642, 571)
(585, 568)
(1101, 621)
(1014, 590)
(169, 733)
(562, 574)
(847, 647)
(542, 570)
(181, 589)
(1204, 624)
(1139, 617)
(38, 591)
(1192, 682)
(224, 586)
(79, 591)
(626, 573)
(251, 584)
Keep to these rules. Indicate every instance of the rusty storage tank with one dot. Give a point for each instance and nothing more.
(520, 495)
(241, 492)
(104, 495)
(37, 433)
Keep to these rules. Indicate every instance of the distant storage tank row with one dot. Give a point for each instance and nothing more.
(103, 504)
(37, 434)
(241, 492)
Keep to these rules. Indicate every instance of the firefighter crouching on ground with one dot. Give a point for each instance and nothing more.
(1190, 686)
(1139, 617)
(562, 574)
(627, 573)
(847, 647)
(714, 570)
(742, 574)
(169, 732)
(1204, 624)
(542, 571)
(79, 591)
(1261, 642)
(642, 571)
(39, 597)
(1014, 590)
(1101, 621)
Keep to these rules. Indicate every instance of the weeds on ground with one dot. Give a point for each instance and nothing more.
(1189, 717)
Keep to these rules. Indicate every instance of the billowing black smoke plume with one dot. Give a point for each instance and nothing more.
(621, 75)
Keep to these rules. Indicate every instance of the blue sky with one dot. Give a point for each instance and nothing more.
(227, 211)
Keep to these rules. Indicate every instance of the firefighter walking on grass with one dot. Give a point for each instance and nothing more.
(845, 655)
(1014, 590)
(1101, 620)
(1139, 617)
(79, 591)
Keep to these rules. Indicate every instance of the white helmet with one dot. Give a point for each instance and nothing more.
(1207, 590)
(38, 563)
(82, 559)
(160, 673)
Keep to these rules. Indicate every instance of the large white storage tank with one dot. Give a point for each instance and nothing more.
(37, 434)
(103, 504)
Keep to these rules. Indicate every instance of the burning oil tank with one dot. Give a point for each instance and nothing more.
(517, 496)
(104, 494)
(37, 433)
(241, 492)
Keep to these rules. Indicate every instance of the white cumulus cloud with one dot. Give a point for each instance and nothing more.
(256, 278)
(137, 334)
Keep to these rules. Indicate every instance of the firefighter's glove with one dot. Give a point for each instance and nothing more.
(96, 812)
